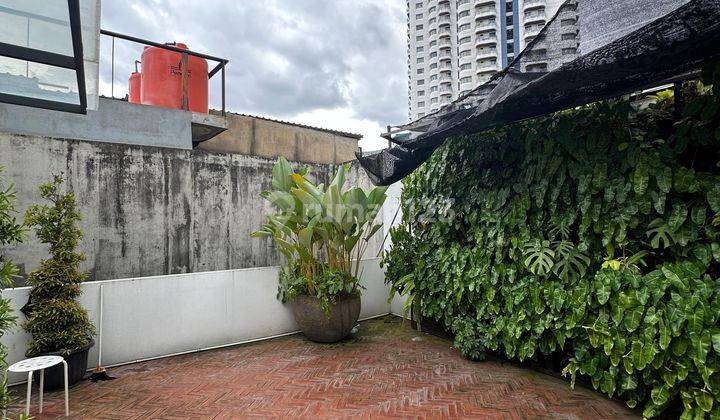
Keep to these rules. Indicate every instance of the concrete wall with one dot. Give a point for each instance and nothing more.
(268, 138)
(114, 121)
(159, 316)
(152, 211)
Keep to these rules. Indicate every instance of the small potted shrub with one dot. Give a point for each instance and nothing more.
(322, 234)
(57, 322)
(11, 233)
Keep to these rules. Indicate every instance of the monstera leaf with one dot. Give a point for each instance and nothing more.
(659, 233)
(571, 263)
(539, 257)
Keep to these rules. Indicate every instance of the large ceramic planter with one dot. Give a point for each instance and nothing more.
(317, 326)
(77, 362)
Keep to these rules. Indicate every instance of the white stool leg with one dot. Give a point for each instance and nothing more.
(29, 393)
(67, 404)
(42, 385)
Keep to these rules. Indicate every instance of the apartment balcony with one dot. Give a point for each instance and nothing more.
(444, 19)
(467, 5)
(444, 9)
(481, 3)
(485, 69)
(444, 55)
(485, 25)
(482, 79)
(485, 53)
(536, 17)
(467, 31)
(532, 32)
(447, 78)
(468, 59)
(486, 40)
(485, 12)
(465, 73)
(465, 19)
(533, 4)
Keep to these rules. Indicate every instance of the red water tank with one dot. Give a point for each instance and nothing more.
(134, 88)
(162, 79)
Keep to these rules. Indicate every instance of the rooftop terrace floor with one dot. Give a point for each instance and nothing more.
(385, 370)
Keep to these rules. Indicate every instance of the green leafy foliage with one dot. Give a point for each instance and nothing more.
(57, 322)
(11, 232)
(322, 232)
(591, 235)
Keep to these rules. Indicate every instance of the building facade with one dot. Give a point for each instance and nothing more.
(456, 45)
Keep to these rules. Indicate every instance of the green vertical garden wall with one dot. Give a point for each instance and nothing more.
(591, 235)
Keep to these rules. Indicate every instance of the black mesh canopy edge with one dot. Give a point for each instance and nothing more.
(671, 47)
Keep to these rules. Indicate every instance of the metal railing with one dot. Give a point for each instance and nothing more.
(219, 67)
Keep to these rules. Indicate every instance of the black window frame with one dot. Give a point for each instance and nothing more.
(74, 62)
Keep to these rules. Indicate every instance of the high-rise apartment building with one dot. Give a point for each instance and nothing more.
(456, 45)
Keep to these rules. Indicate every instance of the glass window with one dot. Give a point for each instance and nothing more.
(42, 31)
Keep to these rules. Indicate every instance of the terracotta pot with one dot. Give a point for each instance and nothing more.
(317, 326)
(77, 362)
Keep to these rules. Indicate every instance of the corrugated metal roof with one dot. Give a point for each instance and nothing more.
(326, 130)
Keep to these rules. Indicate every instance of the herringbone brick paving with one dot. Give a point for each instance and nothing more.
(386, 371)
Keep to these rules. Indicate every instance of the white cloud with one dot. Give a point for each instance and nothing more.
(342, 119)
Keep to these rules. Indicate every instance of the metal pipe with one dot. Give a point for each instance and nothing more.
(112, 69)
(222, 77)
(100, 326)
(159, 45)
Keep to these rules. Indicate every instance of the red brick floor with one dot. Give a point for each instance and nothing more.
(386, 370)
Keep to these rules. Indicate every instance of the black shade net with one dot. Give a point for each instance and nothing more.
(589, 51)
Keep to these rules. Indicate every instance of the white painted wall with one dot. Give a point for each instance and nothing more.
(158, 316)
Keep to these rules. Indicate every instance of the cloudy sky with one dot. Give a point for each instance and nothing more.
(337, 64)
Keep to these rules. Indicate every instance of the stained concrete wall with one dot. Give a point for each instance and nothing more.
(269, 138)
(152, 211)
(114, 121)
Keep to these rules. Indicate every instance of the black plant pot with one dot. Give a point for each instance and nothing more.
(316, 326)
(77, 362)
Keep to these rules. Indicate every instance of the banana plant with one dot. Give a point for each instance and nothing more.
(317, 227)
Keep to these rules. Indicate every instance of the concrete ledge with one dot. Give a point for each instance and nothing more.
(114, 121)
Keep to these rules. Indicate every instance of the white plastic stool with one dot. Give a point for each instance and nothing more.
(41, 363)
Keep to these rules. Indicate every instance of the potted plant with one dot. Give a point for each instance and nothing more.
(322, 234)
(57, 322)
(11, 232)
